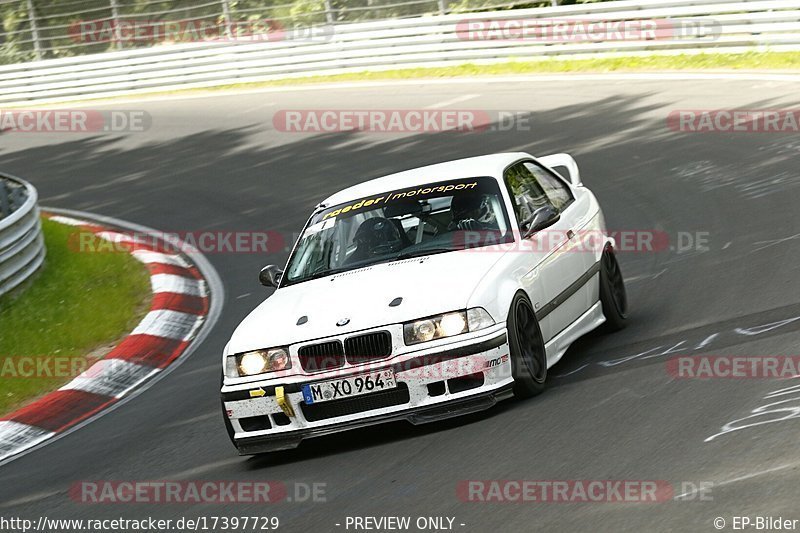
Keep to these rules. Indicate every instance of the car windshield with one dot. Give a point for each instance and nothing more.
(438, 217)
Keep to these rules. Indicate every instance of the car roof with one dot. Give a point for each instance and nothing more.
(485, 165)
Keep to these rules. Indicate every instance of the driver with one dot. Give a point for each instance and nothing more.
(469, 212)
(375, 237)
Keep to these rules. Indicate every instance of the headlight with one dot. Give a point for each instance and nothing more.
(453, 324)
(446, 325)
(422, 330)
(479, 318)
(262, 361)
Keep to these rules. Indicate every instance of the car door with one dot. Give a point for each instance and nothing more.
(552, 253)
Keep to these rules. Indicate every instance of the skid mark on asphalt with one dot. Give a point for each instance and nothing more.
(695, 340)
(194, 420)
(204, 469)
(745, 477)
(216, 367)
(572, 371)
(710, 176)
(31, 498)
(770, 413)
(626, 392)
(763, 245)
(643, 277)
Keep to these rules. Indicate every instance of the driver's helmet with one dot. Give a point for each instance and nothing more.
(468, 206)
(378, 236)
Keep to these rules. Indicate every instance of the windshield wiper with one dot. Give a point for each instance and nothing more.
(328, 272)
(423, 252)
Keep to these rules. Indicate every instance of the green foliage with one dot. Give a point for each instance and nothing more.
(76, 27)
(77, 303)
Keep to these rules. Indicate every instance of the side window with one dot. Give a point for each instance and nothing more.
(557, 192)
(526, 191)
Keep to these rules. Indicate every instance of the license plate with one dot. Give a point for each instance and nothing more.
(335, 389)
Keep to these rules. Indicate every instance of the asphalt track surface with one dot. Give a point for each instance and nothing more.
(615, 412)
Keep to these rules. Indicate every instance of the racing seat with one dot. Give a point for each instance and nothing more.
(404, 238)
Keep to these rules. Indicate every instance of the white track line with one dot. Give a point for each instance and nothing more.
(451, 101)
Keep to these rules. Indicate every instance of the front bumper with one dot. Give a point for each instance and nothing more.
(451, 380)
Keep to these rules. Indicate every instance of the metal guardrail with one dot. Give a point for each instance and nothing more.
(712, 25)
(22, 249)
(34, 29)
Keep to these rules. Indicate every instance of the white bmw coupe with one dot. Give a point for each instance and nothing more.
(420, 296)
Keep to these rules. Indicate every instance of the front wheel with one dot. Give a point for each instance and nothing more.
(613, 296)
(528, 358)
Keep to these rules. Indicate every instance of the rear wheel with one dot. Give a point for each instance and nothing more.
(613, 296)
(528, 359)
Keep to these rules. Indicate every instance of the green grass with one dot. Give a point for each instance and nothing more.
(741, 61)
(77, 306)
(745, 61)
(783, 61)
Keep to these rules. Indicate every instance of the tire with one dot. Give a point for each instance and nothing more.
(528, 358)
(613, 296)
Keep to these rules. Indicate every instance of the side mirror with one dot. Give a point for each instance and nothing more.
(270, 276)
(557, 162)
(542, 218)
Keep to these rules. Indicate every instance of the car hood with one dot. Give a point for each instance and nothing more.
(427, 285)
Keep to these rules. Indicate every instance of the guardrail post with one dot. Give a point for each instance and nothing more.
(226, 14)
(37, 44)
(115, 21)
(442, 7)
(329, 12)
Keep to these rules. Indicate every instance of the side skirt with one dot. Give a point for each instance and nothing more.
(558, 345)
